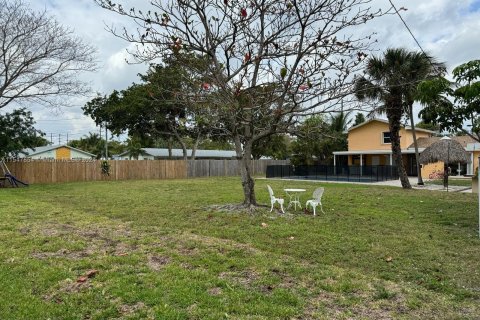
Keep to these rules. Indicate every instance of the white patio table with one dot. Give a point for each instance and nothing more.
(294, 197)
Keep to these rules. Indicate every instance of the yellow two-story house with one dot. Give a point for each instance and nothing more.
(369, 144)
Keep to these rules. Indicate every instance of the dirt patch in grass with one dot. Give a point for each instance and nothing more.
(245, 278)
(215, 291)
(130, 309)
(99, 240)
(64, 253)
(67, 286)
(187, 266)
(119, 231)
(287, 281)
(24, 231)
(87, 232)
(334, 306)
(220, 243)
(156, 263)
(236, 208)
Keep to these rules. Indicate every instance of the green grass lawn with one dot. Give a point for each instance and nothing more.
(163, 252)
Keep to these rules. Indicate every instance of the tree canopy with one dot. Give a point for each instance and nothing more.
(269, 62)
(359, 119)
(17, 132)
(39, 59)
(318, 138)
(95, 144)
(452, 105)
(158, 108)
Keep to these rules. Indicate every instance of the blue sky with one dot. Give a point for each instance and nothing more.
(475, 6)
(446, 29)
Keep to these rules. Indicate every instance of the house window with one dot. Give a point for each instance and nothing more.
(386, 137)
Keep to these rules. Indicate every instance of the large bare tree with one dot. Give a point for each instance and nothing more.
(271, 61)
(39, 59)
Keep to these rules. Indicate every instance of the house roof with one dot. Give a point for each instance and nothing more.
(386, 122)
(163, 152)
(426, 142)
(37, 150)
(359, 152)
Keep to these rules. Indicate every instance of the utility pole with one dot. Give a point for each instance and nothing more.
(51, 138)
(67, 138)
(59, 138)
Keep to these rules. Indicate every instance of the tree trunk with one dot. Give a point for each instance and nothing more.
(415, 144)
(244, 157)
(169, 144)
(394, 115)
(195, 147)
(184, 150)
(182, 143)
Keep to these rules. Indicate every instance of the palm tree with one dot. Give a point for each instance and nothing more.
(134, 148)
(339, 122)
(420, 67)
(92, 143)
(385, 82)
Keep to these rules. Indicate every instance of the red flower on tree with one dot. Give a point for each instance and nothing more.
(243, 13)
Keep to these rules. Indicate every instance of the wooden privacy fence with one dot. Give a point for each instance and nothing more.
(51, 171)
(221, 168)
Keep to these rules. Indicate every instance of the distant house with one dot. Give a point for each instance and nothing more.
(467, 142)
(162, 153)
(58, 152)
(369, 144)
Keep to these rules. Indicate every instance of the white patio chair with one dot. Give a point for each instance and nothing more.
(273, 199)
(317, 200)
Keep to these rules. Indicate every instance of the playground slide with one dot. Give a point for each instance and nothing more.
(14, 181)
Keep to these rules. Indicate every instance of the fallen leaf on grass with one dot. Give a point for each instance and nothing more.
(291, 238)
(264, 225)
(91, 273)
(389, 259)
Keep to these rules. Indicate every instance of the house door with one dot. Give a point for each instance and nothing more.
(412, 165)
(375, 160)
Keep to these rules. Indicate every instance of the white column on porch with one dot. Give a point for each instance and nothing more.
(470, 170)
(391, 159)
(361, 164)
(459, 169)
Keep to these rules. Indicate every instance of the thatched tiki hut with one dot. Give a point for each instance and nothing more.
(447, 151)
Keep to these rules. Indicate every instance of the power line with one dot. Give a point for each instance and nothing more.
(406, 26)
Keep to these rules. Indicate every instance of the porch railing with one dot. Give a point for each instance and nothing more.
(334, 173)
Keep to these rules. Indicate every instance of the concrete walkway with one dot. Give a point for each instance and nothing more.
(392, 183)
(413, 182)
